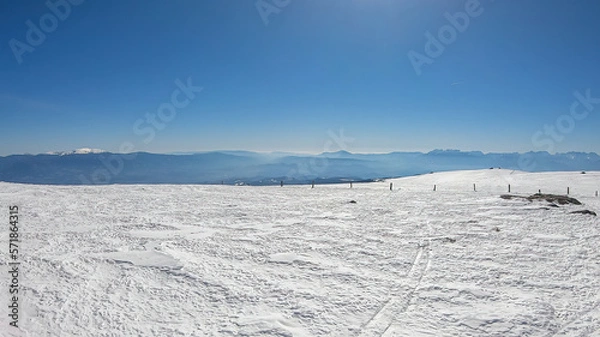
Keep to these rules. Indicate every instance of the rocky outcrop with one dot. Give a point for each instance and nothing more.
(551, 198)
(585, 211)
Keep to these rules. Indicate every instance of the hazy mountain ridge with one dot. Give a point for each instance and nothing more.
(87, 166)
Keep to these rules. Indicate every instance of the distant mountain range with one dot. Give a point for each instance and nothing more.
(90, 166)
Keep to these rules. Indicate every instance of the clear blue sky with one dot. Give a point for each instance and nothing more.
(316, 66)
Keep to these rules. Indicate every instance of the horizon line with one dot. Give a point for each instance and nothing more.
(306, 153)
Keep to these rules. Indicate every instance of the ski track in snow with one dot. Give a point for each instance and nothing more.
(189, 260)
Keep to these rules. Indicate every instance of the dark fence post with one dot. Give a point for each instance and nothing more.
(508, 188)
(434, 188)
(391, 186)
(313, 184)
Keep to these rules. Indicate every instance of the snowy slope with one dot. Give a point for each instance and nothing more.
(183, 260)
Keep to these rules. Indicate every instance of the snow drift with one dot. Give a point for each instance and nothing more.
(192, 260)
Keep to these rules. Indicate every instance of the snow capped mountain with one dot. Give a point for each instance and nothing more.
(83, 150)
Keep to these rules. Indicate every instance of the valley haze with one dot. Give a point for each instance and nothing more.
(91, 167)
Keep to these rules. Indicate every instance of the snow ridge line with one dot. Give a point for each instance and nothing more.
(383, 318)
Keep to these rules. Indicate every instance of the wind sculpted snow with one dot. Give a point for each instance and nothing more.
(182, 260)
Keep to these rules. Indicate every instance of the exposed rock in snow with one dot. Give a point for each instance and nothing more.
(551, 198)
(585, 211)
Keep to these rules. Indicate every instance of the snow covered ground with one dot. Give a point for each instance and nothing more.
(169, 260)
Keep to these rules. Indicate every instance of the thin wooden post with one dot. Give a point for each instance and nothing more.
(313, 184)
(434, 188)
(474, 188)
(568, 190)
(596, 193)
(391, 186)
(508, 188)
(350, 184)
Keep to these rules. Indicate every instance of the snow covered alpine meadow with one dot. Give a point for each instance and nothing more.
(194, 260)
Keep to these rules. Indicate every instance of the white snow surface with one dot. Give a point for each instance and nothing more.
(83, 150)
(192, 260)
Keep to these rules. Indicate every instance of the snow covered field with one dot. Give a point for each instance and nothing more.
(187, 260)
